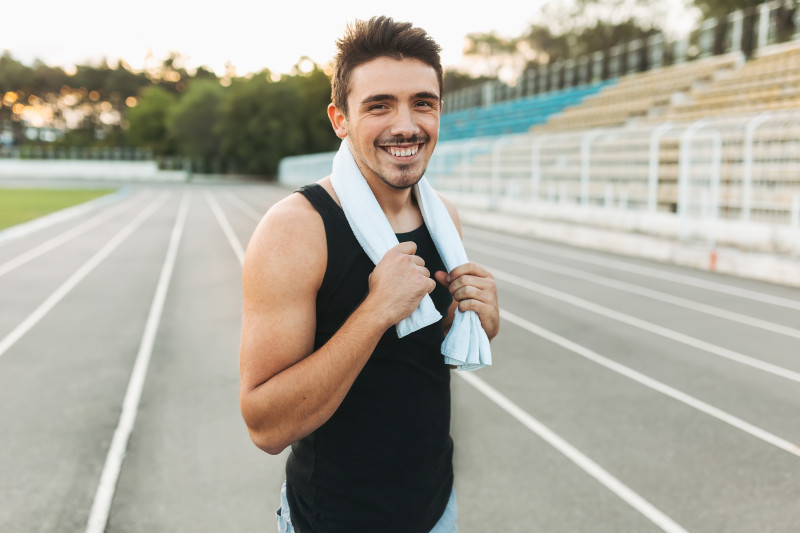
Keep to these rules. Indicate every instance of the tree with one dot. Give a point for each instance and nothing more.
(193, 121)
(716, 8)
(148, 121)
(264, 120)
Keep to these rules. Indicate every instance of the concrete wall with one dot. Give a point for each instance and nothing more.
(88, 170)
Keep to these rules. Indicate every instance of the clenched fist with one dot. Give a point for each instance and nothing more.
(399, 282)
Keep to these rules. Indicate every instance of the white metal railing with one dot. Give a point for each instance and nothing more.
(681, 178)
(732, 179)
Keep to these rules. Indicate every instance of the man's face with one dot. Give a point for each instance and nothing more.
(393, 119)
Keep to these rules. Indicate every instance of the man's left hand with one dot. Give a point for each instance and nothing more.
(474, 288)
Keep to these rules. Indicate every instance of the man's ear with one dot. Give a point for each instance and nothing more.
(338, 121)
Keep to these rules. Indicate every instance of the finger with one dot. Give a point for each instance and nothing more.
(489, 320)
(469, 268)
(407, 247)
(431, 285)
(470, 292)
(441, 277)
(468, 280)
(424, 271)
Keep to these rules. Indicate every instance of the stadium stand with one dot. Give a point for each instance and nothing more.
(641, 94)
(771, 80)
(513, 116)
(708, 142)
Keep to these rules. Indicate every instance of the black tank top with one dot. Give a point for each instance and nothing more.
(383, 462)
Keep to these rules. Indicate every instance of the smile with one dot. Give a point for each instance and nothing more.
(402, 152)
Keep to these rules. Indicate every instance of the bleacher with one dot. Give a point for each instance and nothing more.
(599, 152)
(512, 116)
(641, 94)
(771, 80)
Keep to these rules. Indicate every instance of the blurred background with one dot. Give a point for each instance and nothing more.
(629, 171)
(684, 108)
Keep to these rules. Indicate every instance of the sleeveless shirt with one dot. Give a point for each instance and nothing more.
(383, 461)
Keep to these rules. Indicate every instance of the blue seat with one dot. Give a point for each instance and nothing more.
(512, 116)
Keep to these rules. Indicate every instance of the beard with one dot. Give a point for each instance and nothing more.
(408, 177)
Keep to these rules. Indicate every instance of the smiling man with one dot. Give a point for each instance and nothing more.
(367, 414)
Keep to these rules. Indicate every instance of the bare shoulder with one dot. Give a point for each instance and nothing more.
(451, 209)
(289, 238)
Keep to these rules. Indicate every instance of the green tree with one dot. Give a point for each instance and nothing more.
(148, 121)
(264, 121)
(715, 8)
(193, 122)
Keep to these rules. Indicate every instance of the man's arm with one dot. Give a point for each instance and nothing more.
(287, 389)
(472, 286)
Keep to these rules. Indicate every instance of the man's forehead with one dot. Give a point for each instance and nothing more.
(385, 75)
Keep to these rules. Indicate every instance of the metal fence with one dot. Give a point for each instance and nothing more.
(731, 180)
(714, 179)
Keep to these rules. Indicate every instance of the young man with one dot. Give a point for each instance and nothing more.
(367, 413)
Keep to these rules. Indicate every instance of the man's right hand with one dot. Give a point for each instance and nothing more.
(399, 282)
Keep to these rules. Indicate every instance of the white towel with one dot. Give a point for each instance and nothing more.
(466, 345)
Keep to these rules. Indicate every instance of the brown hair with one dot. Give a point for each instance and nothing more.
(380, 37)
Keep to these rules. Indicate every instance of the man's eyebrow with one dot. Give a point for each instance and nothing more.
(378, 98)
(427, 95)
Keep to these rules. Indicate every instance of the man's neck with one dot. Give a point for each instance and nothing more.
(399, 205)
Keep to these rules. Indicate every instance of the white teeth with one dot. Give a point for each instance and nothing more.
(403, 152)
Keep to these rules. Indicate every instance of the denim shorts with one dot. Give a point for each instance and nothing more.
(446, 524)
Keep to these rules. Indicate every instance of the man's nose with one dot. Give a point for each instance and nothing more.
(404, 123)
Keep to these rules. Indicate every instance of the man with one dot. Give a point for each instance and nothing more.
(367, 414)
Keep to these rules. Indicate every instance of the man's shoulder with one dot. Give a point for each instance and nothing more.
(290, 224)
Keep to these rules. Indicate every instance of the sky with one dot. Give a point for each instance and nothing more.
(251, 35)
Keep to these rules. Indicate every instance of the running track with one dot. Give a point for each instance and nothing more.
(626, 396)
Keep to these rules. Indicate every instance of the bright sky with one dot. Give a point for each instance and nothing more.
(250, 34)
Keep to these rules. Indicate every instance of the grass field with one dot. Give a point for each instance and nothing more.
(21, 205)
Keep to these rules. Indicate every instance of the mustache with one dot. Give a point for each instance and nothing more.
(396, 141)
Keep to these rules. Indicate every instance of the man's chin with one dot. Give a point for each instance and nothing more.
(404, 179)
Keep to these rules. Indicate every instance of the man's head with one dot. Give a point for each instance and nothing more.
(387, 95)
(380, 37)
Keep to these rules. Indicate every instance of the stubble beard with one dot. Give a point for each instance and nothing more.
(407, 178)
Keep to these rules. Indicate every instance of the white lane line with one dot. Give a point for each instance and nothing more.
(653, 384)
(624, 266)
(647, 326)
(98, 517)
(64, 237)
(573, 454)
(226, 227)
(642, 291)
(26, 228)
(9, 340)
(244, 207)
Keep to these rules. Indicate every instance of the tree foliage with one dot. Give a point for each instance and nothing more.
(264, 120)
(193, 121)
(570, 29)
(148, 121)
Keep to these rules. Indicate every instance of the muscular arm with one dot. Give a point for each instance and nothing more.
(287, 389)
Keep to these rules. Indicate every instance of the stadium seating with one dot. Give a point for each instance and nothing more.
(512, 116)
(771, 80)
(640, 95)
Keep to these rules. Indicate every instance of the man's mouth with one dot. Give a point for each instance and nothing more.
(402, 151)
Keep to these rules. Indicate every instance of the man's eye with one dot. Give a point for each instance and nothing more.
(377, 107)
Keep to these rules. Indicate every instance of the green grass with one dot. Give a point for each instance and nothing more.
(21, 205)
